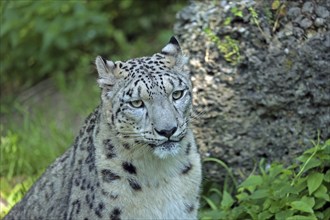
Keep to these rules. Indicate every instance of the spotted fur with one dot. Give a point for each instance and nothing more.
(135, 157)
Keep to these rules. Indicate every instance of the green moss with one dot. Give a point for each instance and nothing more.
(228, 47)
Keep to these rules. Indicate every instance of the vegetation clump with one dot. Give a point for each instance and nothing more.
(299, 191)
(228, 47)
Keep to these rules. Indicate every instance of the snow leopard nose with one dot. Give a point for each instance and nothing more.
(166, 133)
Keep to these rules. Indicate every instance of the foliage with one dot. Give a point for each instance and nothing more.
(235, 12)
(32, 140)
(40, 134)
(13, 192)
(51, 38)
(12, 164)
(299, 191)
(280, 10)
(273, 13)
(20, 150)
(228, 46)
(255, 20)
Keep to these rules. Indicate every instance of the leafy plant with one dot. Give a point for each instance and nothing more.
(228, 46)
(299, 191)
(235, 12)
(255, 20)
(280, 9)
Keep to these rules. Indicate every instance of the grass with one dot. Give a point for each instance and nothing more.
(34, 134)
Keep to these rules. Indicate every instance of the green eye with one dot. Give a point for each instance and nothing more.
(177, 94)
(136, 104)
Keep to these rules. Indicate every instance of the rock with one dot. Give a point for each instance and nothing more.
(319, 22)
(274, 100)
(327, 41)
(294, 12)
(298, 32)
(305, 23)
(298, 19)
(321, 12)
(308, 8)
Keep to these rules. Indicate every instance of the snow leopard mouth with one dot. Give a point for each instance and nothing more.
(166, 149)
(166, 145)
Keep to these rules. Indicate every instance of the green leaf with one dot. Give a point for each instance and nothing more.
(314, 181)
(227, 200)
(302, 206)
(276, 4)
(205, 217)
(312, 150)
(265, 215)
(237, 213)
(212, 205)
(252, 180)
(301, 217)
(312, 163)
(324, 157)
(280, 188)
(322, 193)
(327, 213)
(259, 194)
(266, 204)
(275, 170)
(326, 147)
(309, 200)
(253, 210)
(209, 215)
(301, 184)
(284, 214)
(237, 12)
(319, 203)
(227, 21)
(276, 206)
(319, 215)
(242, 196)
(327, 176)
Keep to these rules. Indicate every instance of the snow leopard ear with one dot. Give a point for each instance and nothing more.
(173, 54)
(106, 70)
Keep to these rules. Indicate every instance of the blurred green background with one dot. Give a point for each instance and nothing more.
(40, 39)
(48, 80)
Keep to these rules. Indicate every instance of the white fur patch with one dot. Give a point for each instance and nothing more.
(170, 49)
(167, 150)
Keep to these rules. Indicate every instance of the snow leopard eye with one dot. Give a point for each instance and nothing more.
(177, 94)
(137, 103)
